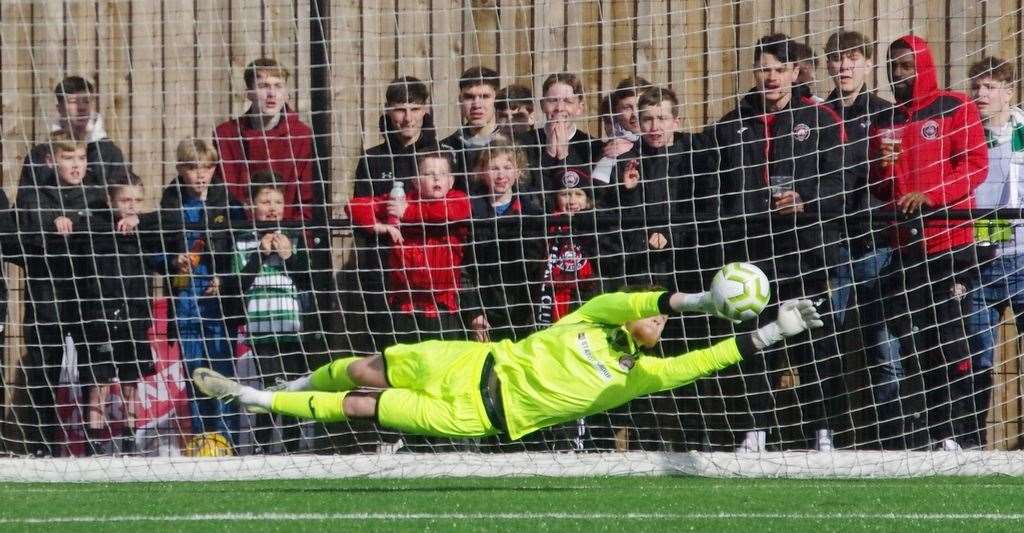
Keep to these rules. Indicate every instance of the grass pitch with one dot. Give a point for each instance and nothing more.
(623, 504)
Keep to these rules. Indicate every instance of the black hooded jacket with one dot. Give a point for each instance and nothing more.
(380, 166)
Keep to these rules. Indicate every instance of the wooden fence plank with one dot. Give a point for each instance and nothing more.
(147, 112)
(114, 73)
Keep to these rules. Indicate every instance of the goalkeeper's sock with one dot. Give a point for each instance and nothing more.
(250, 396)
(332, 377)
(312, 405)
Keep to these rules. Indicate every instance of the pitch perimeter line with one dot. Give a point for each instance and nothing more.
(390, 517)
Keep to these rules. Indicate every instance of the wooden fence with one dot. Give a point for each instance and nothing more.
(168, 69)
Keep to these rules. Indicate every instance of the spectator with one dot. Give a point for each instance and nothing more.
(270, 275)
(563, 146)
(807, 67)
(1000, 242)
(9, 252)
(779, 157)
(78, 116)
(270, 135)
(514, 109)
(621, 123)
(197, 207)
(933, 156)
(866, 252)
(54, 223)
(118, 310)
(661, 198)
(478, 90)
(427, 231)
(408, 131)
(504, 245)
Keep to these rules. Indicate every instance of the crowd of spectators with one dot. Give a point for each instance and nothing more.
(518, 216)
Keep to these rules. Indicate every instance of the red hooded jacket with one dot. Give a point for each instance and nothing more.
(287, 149)
(424, 272)
(943, 153)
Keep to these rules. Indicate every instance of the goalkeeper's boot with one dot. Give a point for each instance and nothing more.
(215, 385)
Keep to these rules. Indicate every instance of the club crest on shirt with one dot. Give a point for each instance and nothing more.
(930, 130)
(571, 258)
(801, 132)
(626, 363)
(570, 179)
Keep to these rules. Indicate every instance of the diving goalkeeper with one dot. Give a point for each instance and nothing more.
(589, 361)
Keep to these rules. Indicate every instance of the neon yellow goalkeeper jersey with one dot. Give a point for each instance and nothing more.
(587, 363)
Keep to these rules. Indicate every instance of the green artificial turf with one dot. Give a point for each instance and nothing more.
(623, 504)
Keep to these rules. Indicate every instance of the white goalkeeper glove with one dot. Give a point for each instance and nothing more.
(795, 317)
(700, 302)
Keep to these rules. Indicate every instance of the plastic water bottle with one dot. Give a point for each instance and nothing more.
(397, 193)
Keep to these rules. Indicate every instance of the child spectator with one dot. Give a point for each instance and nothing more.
(427, 230)
(269, 135)
(503, 243)
(272, 279)
(197, 205)
(571, 275)
(52, 218)
(119, 316)
(562, 144)
(620, 121)
(514, 109)
(78, 116)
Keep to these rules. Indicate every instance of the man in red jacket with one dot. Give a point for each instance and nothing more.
(269, 136)
(932, 155)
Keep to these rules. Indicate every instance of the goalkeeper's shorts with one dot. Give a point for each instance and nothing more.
(435, 389)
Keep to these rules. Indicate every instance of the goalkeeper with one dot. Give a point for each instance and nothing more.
(589, 361)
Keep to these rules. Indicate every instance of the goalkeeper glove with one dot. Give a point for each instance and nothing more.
(795, 317)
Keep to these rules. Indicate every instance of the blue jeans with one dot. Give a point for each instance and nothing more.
(860, 278)
(204, 342)
(1001, 284)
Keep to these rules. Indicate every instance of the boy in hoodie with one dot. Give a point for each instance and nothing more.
(999, 241)
(55, 223)
(779, 156)
(932, 155)
(514, 109)
(77, 115)
(269, 135)
(271, 284)
(197, 206)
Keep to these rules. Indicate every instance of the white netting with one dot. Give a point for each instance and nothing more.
(105, 323)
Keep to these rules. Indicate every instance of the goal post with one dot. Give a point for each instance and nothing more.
(591, 145)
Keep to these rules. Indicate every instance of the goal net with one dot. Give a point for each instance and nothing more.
(264, 187)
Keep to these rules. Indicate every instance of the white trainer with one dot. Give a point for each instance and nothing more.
(753, 442)
(823, 442)
(950, 445)
(215, 385)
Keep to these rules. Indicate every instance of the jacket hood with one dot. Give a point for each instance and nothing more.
(428, 135)
(926, 84)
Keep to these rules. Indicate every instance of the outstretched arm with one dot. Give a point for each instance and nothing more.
(621, 307)
(654, 374)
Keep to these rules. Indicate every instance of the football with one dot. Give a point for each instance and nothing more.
(740, 291)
